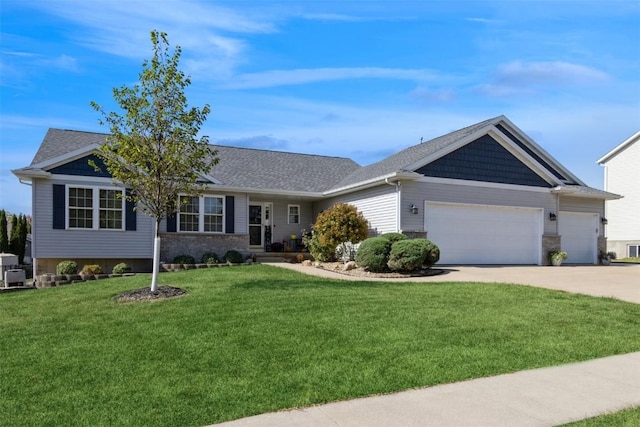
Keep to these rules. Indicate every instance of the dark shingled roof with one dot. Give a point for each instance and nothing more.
(238, 167)
(401, 160)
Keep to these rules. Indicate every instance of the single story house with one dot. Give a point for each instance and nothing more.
(485, 194)
(622, 175)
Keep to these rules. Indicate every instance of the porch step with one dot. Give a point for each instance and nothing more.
(269, 259)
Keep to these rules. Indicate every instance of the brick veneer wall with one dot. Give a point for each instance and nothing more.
(196, 245)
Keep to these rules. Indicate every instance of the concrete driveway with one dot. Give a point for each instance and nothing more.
(621, 281)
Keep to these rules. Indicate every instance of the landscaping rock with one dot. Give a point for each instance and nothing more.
(307, 263)
(350, 265)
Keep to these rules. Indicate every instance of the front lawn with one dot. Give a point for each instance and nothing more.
(626, 418)
(254, 339)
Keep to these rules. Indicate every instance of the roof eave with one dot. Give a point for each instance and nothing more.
(28, 174)
(393, 177)
(602, 195)
(620, 147)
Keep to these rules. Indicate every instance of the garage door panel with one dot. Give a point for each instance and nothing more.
(477, 234)
(578, 236)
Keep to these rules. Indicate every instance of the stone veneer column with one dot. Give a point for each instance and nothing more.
(550, 242)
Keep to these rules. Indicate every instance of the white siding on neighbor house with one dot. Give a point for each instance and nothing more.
(583, 205)
(622, 176)
(377, 204)
(51, 243)
(419, 192)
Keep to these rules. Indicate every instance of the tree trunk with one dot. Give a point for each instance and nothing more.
(156, 259)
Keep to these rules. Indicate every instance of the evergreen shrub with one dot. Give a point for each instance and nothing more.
(67, 267)
(121, 268)
(210, 258)
(373, 254)
(233, 257)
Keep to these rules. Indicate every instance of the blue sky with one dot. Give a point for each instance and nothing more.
(358, 79)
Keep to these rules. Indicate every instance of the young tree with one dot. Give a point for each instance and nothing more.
(153, 148)
(4, 235)
(22, 234)
(14, 235)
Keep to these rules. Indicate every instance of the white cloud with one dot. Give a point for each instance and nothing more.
(517, 77)
(310, 75)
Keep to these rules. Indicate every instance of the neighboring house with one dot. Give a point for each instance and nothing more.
(622, 176)
(485, 194)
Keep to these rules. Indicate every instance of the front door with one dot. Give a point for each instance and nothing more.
(260, 225)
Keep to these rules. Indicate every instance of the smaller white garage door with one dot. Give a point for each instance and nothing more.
(578, 236)
(482, 234)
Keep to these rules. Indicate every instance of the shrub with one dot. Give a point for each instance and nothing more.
(337, 225)
(319, 251)
(408, 255)
(67, 267)
(373, 254)
(210, 258)
(184, 259)
(394, 237)
(433, 254)
(233, 257)
(92, 269)
(121, 268)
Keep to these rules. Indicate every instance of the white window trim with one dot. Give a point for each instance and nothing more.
(201, 214)
(289, 214)
(637, 245)
(95, 208)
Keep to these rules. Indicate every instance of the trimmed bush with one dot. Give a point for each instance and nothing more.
(412, 254)
(337, 225)
(121, 268)
(91, 269)
(373, 254)
(67, 267)
(394, 237)
(433, 255)
(210, 258)
(184, 259)
(233, 257)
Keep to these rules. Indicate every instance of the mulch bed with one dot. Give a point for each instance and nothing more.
(145, 294)
(338, 267)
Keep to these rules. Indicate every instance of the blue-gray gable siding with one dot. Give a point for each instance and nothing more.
(483, 160)
(81, 167)
(531, 153)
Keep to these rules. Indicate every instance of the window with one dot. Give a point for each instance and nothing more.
(204, 213)
(633, 250)
(213, 214)
(80, 208)
(82, 203)
(294, 214)
(189, 214)
(110, 209)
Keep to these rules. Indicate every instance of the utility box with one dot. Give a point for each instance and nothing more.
(14, 277)
(7, 261)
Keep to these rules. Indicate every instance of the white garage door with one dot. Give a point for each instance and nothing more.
(578, 236)
(481, 234)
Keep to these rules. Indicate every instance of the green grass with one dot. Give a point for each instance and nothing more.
(254, 339)
(626, 418)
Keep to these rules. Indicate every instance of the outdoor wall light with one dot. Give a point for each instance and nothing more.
(552, 216)
(604, 221)
(414, 209)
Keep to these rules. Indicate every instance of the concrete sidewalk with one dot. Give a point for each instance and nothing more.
(539, 397)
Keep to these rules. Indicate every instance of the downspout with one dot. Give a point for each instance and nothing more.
(398, 186)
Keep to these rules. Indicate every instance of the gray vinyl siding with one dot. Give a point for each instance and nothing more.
(50, 243)
(419, 192)
(377, 204)
(584, 205)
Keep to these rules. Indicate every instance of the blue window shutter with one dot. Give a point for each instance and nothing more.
(130, 214)
(229, 214)
(172, 223)
(59, 204)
